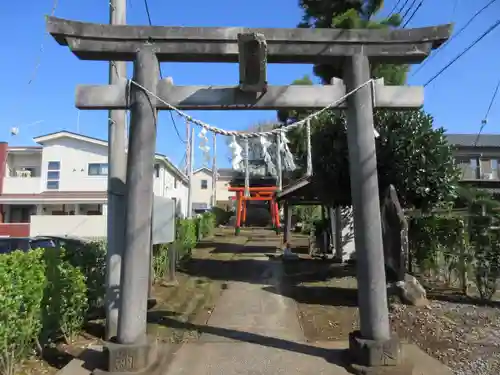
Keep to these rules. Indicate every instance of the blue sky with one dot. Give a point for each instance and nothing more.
(458, 99)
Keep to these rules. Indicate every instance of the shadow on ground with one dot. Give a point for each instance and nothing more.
(314, 270)
(56, 357)
(453, 295)
(334, 356)
(243, 249)
(245, 270)
(318, 295)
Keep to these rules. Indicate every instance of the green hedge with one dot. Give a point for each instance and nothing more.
(47, 294)
(42, 298)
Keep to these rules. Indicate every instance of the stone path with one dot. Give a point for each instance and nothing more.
(255, 331)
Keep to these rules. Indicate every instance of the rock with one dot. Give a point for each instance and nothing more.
(412, 292)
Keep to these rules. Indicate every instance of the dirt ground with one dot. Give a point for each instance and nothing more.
(192, 299)
(455, 330)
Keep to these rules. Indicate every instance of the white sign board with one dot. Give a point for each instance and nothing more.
(163, 220)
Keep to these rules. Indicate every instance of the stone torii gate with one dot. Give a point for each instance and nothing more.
(373, 345)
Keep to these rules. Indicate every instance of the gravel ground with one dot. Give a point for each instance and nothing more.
(463, 336)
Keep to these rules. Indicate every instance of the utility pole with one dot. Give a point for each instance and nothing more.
(190, 175)
(188, 146)
(117, 170)
(214, 173)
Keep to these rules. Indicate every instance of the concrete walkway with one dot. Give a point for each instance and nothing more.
(256, 332)
(252, 331)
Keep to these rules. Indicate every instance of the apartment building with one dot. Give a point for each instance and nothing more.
(56, 186)
(478, 158)
(203, 191)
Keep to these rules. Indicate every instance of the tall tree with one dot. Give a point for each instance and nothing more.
(351, 14)
(411, 154)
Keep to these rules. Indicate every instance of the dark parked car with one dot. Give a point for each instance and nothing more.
(72, 243)
(10, 244)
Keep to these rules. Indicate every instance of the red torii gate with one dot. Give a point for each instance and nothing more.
(261, 193)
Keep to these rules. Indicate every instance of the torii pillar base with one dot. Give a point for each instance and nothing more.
(372, 357)
(132, 359)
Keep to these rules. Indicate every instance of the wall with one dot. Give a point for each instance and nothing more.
(22, 185)
(75, 225)
(222, 193)
(169, 185)
(74, 157)
(202, 195)
(15, 230)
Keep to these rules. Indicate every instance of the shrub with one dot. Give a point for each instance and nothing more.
(43, 297)
(221, 216)
(485, 243)
(186, 236)
(436, 241)
(22, 284)
(160, 261)
(207, 224)
(90, 259)
(65, 299)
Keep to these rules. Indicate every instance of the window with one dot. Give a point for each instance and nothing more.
(157, 170)
(204, 184)
(494, 169)
(53, 175)
(474, 165)
(54, 166)
(175, 183)
(98, 169)
(52, 185)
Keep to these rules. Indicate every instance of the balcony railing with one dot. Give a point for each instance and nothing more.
(22, 185)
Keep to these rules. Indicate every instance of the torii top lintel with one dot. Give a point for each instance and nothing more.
(90, 41)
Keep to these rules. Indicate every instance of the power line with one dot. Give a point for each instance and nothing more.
(148, 13)
(485, 119)
(413, 14)
(38, 60)
(408, 10)
(490, 29)
(403, 6)
(454, 36)
(394, 8)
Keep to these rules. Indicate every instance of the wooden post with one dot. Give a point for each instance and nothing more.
(288, 222)
(238, 212)
(339, 253)
(244, 212)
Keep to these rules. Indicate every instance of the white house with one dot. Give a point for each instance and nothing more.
(67, 175)
(202, 187)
